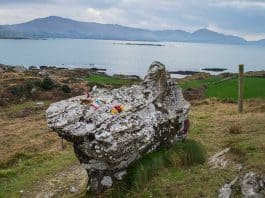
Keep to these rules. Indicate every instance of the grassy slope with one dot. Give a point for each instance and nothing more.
(253, 87)
(210, 122)
(210, 125)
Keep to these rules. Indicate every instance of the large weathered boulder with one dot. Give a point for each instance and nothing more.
(107, 141)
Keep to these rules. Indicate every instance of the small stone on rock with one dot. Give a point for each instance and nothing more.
(106, 181)
(40, 103)
(119, 175)
(73, 189)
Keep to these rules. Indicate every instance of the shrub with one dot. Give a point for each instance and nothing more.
(17, 90)
(30, 85)
(35, 83)
(66, 89)
(25, 89)
(47, 84)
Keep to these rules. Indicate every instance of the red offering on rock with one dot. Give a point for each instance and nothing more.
(88, 95)
(118, 108)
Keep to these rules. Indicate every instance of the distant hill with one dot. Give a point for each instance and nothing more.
(205, 35)
(259, 42)
(58, 27)
(6, 34)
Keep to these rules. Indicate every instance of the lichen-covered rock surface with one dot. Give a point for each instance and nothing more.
(154, 114)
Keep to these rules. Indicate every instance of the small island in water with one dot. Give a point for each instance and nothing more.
(213, 69)
(140, 44)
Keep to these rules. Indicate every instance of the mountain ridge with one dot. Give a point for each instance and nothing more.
(59, 27)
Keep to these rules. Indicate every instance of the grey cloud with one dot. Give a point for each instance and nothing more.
(245, 16)
(27, 2)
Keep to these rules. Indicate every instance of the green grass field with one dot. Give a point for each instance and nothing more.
(253, 87)
(198, 83)
(104, 80)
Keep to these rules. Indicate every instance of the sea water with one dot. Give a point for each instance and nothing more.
(130, 59)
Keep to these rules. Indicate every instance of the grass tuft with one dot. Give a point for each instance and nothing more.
(184, 153)
(15, 160)
(191, 153)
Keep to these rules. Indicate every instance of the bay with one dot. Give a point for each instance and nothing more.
(117, 57)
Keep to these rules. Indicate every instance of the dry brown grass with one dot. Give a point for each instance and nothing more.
(210, 121)
(213, 121)
(28, 134)
(29, 152)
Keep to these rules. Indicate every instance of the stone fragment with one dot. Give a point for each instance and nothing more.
(219, 160)
(226, 191)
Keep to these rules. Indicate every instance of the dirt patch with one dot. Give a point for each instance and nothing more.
(192, 94)
(255, 106)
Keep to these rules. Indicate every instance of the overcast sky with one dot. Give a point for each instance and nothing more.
(241, 17)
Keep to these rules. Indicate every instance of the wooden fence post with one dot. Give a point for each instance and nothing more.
(240, 88)
(62, 144)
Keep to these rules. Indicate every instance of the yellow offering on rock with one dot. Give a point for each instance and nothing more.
(114, 111)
